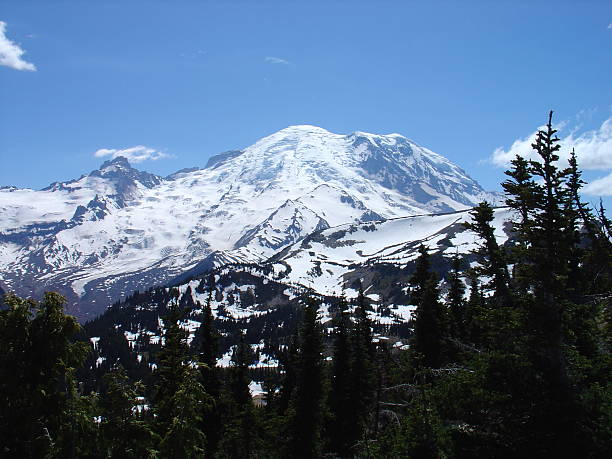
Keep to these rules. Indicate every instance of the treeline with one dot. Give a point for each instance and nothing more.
(511, 360)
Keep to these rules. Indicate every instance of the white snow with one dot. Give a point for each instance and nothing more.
(246, 209)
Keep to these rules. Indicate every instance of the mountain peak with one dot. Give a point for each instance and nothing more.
(119, 161)
(304, 128)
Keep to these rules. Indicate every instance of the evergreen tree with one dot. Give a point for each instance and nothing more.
(429, 327)
(39, 404)
(456, 300)
(289, 361)
(307, 406)
(430, 321)
(208, 338)
(340, 400)
(422, 273)
(179, 397)
(239, 439)
(363, 371)
(492, 257)
(126, 433)
(183, 437)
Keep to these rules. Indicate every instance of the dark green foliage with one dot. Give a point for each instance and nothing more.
(340, 400)
(363, 372)
(422, 274)
(206, 342)
(430, 320)
(429, 327)
(455, 300)
(180, 398)
(125, 426)
(40, 408)
(306, 411)
(183, 436)
(522, 368)
(493, 261)
(289, 361)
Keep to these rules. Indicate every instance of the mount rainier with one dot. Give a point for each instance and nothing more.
(115, 230)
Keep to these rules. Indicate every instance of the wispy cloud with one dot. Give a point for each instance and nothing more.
(193, 54)
(600, 187)
(276, 60)
(593, 150)
(610, 26)
(136, 154)
(10, 52)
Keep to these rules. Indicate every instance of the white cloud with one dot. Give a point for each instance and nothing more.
(276, 60)
(600, 187)
(194, 54)
(610, 26)
(136, 154)
(10, 52)
(593, 150)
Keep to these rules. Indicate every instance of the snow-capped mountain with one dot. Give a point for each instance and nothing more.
(117, 229)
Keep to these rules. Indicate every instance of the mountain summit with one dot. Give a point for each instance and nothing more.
(299, 156)
(117, 229)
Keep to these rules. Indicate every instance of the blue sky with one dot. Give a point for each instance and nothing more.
(186, 80)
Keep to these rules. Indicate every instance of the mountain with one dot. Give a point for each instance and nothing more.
(266, 299)
(115, 230)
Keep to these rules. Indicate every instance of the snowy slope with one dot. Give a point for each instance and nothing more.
(117, 229)
(324, 259)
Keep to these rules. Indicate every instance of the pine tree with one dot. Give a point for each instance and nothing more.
(126, 434)
(523, 194)
(183, 437)
(289, 361)
(179, 398)
(456, 300)
(421, 275)
(208, 338)
(429, 328)
(475, 313)
(340, 400)
(38, 399)
(552, 292)
(239, 439)
(492, 257)
(363, 371)
(430, 321)
(307, 406)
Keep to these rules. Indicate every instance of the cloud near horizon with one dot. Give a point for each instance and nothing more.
(593, 150)
(276, 60)
(136, 154)
(11, 52)
(600, 187)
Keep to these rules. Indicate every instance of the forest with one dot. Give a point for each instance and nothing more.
(515, 362)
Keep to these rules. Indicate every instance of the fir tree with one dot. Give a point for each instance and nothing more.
(239, 439)
(126, 433)
(455, 299)
(208, 338)
(340, 400)
(429, 327)
(179, 397)
(363, 371)
(430, 320)
(307, 407)
(39, 404)
(289, 361)
(492, 257)
(421, 275)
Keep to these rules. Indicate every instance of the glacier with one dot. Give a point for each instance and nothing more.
(98, 238)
